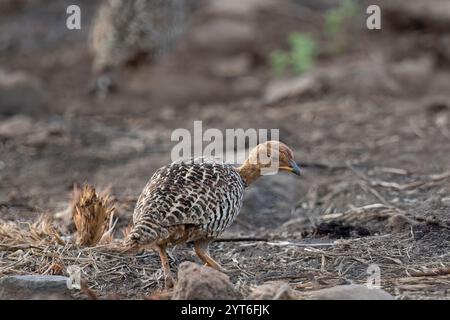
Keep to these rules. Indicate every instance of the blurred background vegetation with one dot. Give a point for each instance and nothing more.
(367, 112)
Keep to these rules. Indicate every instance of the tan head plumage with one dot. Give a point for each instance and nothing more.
(268, 158)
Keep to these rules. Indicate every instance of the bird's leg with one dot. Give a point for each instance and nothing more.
(103, 85)
(169, 282)
(201, 249)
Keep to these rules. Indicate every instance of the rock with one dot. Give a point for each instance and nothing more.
(16, 126)
(224, 36)
(276, 290)
(446, 201)
(197, 282)
(349, 292)
(33, 287)
(38, 139)
(306, 85)
(235, 66)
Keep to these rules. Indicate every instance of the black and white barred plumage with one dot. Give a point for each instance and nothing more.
(197, 199)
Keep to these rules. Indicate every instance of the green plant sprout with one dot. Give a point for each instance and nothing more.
(300, 57)
(335, 18)
(303, 49)
(335, 21)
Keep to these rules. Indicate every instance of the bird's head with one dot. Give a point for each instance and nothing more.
(268, 158)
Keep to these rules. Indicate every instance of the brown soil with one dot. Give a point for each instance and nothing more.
(373, 127)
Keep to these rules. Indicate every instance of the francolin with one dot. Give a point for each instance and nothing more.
(197, 200)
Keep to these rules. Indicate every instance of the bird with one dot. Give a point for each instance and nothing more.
(126, 32)
(195, 200)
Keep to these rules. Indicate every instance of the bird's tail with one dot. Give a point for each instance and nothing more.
(136, 238)
(131, 240)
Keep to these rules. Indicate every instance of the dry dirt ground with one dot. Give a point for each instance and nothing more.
(370, 126)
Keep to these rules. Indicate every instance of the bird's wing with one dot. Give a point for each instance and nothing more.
(186, 193)
(148, 192)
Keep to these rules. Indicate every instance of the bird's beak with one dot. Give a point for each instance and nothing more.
(293, 167)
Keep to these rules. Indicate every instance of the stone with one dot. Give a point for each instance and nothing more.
(224, 36)
(236, 66)
(16, 126)
(349, 292)
(38, 139)
(34, 287)
(273, 290)
(446, 201)
(306, 85)
(197, 282)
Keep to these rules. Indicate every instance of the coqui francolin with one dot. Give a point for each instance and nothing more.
(197, 200)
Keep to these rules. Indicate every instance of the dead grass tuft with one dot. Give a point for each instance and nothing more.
(41, 231)
(92, 215)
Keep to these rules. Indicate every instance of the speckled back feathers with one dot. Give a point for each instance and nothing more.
(187, 200)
